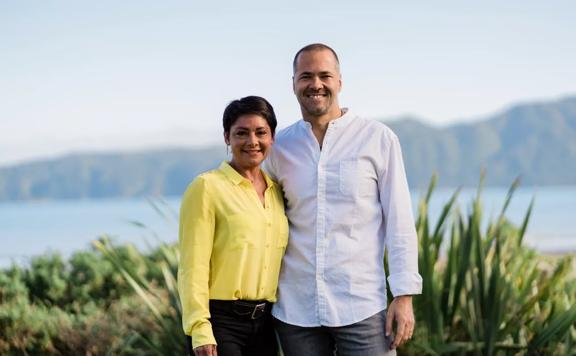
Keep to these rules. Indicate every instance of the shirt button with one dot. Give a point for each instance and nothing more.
(267, 245)
(269, 223)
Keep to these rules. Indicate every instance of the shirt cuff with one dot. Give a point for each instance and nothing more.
(202, 335)
(406, 283)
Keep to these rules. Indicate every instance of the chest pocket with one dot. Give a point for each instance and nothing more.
(348, 182)
(358, 178)
(244, 230)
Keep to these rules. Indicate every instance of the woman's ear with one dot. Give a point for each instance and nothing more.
(227, 138)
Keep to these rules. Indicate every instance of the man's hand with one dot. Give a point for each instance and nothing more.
(400, 310)
(205, 350)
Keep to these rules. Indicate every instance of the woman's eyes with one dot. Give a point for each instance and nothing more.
(245, 133)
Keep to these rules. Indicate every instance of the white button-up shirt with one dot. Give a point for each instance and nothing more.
(345, 203)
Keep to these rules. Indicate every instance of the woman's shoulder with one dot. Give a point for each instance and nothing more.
(203, 181)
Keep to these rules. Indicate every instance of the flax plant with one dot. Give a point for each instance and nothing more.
(162, 300)
(484, 292)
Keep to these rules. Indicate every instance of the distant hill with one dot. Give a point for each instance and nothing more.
(536, 141)
(148, 173)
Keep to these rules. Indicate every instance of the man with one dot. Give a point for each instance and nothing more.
(347, 200)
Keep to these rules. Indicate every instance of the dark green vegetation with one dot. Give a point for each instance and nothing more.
(535, 141)
(82, 306)
(485, 293)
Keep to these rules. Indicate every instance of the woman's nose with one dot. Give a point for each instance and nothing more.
(252, 139)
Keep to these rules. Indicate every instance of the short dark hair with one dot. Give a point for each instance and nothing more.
(313, 47)
(249, 105)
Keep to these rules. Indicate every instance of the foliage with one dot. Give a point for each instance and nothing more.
(80, 306)
(486, 293)
(163, 303)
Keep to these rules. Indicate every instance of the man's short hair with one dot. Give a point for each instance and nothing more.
(314, 47)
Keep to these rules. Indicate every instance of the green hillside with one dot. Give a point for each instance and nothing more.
(536, 141)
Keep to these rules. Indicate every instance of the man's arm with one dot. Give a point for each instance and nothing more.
(401, 243)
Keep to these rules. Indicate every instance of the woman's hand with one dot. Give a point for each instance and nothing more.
(205, 350)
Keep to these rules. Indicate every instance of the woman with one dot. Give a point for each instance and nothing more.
(233, 233)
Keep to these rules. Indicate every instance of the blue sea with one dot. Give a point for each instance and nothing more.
(33, 228)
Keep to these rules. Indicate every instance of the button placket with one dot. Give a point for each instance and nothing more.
(321, 226)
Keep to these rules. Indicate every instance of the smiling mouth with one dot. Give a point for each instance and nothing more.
(316, 96)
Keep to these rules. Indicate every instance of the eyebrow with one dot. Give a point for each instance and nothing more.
(247, 128)
(319, 73)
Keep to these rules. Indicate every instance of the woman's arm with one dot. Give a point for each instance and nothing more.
(196, 236)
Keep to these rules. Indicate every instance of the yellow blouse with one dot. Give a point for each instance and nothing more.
(231, 246)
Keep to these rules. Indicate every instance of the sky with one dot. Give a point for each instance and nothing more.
(127, 75)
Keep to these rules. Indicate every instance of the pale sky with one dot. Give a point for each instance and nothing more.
(115, 75)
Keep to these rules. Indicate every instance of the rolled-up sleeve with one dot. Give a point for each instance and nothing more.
(400, 232)
(196, 236)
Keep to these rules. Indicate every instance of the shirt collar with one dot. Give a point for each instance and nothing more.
(237, 178)
(341, 121)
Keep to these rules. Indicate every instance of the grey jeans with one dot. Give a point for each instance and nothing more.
(366, 337)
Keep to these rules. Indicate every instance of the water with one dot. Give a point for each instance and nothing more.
(33, 228)
(552, 225)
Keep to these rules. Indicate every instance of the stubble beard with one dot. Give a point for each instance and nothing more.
(316, 110)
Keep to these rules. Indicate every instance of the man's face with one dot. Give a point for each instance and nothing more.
(317, 83)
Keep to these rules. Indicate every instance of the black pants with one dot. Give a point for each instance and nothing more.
(239, 331)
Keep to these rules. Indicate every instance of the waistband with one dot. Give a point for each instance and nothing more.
(249, 309)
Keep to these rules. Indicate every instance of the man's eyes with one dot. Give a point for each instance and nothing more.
(322, 76)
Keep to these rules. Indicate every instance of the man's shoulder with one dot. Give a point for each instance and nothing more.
(375, 128)
(287, 133)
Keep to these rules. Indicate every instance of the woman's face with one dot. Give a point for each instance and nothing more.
(250, 138)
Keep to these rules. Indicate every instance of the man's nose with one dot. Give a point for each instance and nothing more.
(316, 83)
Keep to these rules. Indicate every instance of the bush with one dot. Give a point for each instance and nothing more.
(83, 306)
